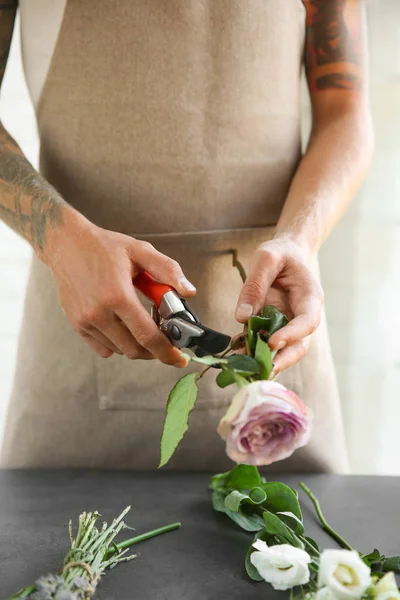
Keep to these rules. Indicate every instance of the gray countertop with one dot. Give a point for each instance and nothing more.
(204, 560)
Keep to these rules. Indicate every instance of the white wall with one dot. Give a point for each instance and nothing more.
(360, 262)
(17, 114)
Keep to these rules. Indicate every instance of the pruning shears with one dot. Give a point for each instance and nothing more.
(177, 320)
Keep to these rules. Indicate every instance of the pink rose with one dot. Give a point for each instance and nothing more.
(265, 423)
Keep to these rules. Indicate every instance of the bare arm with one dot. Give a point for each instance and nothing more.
(92, 268)
(327, 178)
(28, 204)
(340, 146)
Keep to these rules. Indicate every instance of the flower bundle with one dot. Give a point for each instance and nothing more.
(284, 556)
(93, 551)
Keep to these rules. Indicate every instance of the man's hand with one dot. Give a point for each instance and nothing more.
(280, 275)
(93, 269)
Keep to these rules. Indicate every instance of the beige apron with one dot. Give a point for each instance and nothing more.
(177, 121)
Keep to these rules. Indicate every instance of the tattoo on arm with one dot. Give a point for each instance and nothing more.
(28, 203)
(333, 44)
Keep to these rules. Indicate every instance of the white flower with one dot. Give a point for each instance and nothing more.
(282, 566)
(386, 588)
(324, 593)
(344, 574)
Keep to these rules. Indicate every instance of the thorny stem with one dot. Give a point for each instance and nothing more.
(212, 366)
(246, 339)
(323, 521)
(242, 272)
(236, 263)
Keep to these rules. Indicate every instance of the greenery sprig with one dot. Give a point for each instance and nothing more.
(271, 510)
(93, 551)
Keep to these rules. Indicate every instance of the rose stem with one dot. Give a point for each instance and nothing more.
(323, 521)
(236, 263)
(212, 366)
(242, 272)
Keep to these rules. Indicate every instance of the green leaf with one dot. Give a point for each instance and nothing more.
(225, 378)
(208, 360)
(311, 546)
(248, 522)
(243, 364)
(263, 356)
(180, 403)
(254, 325)
(243, 477)
(391, 564)
(276, 319)
(257, 495)
(250, 568)
(274, 526)
(234, 500)
(281, 498)
(373, 557)
(218, 501)
(292, 521)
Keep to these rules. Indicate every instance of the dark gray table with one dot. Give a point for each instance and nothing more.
(201, 561)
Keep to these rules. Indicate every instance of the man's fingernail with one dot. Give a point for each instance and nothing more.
(185, 283)
(273, 374)
(244, 311)
(280, 345)
(183, 362)
(180, 364)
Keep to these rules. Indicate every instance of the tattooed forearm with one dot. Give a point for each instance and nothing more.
(333, 44)
(28, 203)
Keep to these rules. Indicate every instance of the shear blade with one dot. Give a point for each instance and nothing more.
(211, 342)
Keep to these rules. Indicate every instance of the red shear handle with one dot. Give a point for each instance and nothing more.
(151, 288)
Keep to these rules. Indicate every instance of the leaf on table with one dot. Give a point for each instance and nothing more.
(234, 500)
(391, 563)
(218, 501)
(250, 568)
(263, 356)
(311, 546)
(209, 360)
(248, 522)
(241, 477)
(181, 400)
(281, 498)
(276, 527)
(292, 521)
(372, 557)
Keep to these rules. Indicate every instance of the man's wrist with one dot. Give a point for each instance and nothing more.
(70, 223)
(300, 241)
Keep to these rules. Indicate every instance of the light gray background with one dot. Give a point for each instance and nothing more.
(360, 261)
